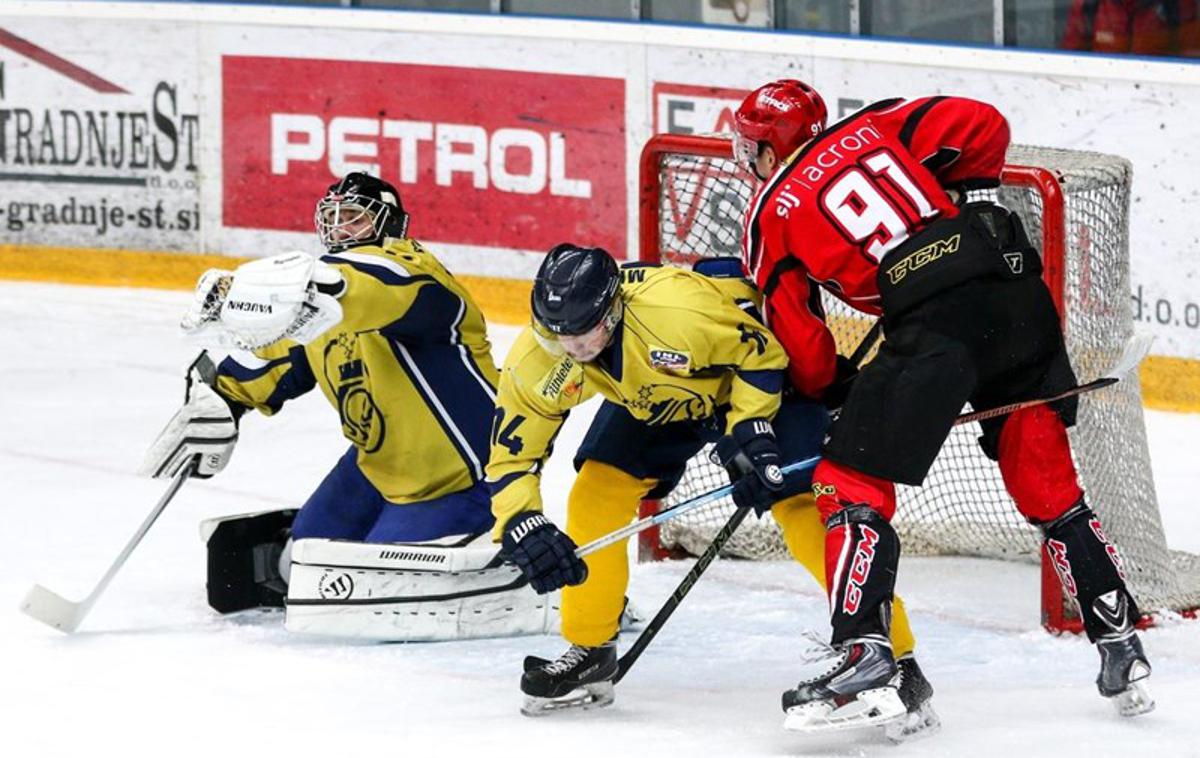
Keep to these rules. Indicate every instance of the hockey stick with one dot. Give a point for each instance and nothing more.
(868, 342)
(1131, 356)
(864, 347)
(660, 619)
(678, 510)
(62, 614)
(1133, 353)
(714, 548)
(1135, 350)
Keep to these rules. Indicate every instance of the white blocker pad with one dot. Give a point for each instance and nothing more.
(446, 589)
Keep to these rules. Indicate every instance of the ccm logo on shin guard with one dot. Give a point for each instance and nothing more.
(1058, 554)
(860, 568)
(1109, 548)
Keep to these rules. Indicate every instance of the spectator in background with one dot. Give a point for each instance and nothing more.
(1141, 27)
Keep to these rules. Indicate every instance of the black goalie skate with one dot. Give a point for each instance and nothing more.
(1124, 670)
(920, 720)
(580, 678)
(857, 688)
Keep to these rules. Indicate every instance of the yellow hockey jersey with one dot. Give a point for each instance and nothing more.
(409, 370)
(687, 344)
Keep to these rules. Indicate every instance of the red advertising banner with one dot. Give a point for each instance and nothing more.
(481, 157)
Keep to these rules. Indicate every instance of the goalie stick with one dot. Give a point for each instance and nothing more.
(62, 614)
(1134, 351)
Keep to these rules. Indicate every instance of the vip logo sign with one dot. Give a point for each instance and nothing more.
(481, 157)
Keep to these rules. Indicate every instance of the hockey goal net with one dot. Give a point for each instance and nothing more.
(1075, 206)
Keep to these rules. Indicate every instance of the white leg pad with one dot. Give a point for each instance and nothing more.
(412, 592)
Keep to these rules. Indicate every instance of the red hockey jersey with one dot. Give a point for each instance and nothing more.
(828, 215)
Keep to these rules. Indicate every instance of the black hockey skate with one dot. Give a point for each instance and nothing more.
(1124, 667)
(920, 720)
(1124, 670)
(581, 678)
(857, 687)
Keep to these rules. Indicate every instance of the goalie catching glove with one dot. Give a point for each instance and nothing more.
(544, 554)
(291, 296)
(751, 457)
(204, 428)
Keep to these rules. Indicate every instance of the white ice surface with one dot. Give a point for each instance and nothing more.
(89, 376)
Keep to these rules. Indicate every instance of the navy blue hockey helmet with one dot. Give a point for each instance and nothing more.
(359, 209)
(575, 289)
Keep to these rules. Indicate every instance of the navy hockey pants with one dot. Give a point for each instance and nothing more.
(346, 506)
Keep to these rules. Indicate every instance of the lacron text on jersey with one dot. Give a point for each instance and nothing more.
(832, 155)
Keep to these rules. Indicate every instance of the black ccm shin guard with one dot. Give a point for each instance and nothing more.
(1090, 571)
(861, 553)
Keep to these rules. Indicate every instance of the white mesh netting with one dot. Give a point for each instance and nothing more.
(963, 508)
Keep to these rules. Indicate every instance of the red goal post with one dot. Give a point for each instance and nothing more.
(692, 199)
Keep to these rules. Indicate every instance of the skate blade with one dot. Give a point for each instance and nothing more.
(586, 698)
(1135, 700)
(873, 707)
(920, 723)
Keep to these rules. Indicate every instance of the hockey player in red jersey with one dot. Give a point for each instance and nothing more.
(873, 210)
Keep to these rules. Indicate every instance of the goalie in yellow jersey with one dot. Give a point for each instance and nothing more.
(681, 359)
(395, 344)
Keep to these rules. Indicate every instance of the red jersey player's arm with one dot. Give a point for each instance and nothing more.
(845, 272)
(812, 353)
(792, 299)
(961, 141)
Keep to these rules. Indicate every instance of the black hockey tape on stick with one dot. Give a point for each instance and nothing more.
(685, 586)
(868, 342)
(1131, 356)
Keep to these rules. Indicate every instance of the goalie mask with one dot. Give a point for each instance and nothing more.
(359, 210)
(292, 296)
(576, 302)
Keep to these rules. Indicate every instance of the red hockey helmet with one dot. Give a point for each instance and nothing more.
(784, 114)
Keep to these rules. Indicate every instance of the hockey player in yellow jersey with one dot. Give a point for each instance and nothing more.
(681, 360)
(394, 343)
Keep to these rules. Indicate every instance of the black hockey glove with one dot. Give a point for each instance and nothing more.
(751, 457)
(544, 554)
(834, 396)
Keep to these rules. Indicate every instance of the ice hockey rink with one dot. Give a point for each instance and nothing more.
(89, 377)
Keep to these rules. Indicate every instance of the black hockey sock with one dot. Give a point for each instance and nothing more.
(1089, 568)
(862, 551)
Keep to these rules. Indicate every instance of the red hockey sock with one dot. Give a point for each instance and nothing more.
(837, 486)
(1035, 461)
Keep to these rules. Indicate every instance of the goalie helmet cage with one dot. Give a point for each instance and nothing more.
(1075, 206)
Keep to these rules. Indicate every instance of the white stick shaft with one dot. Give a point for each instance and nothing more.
(151, 517)
(60, 613)
(688, 505)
